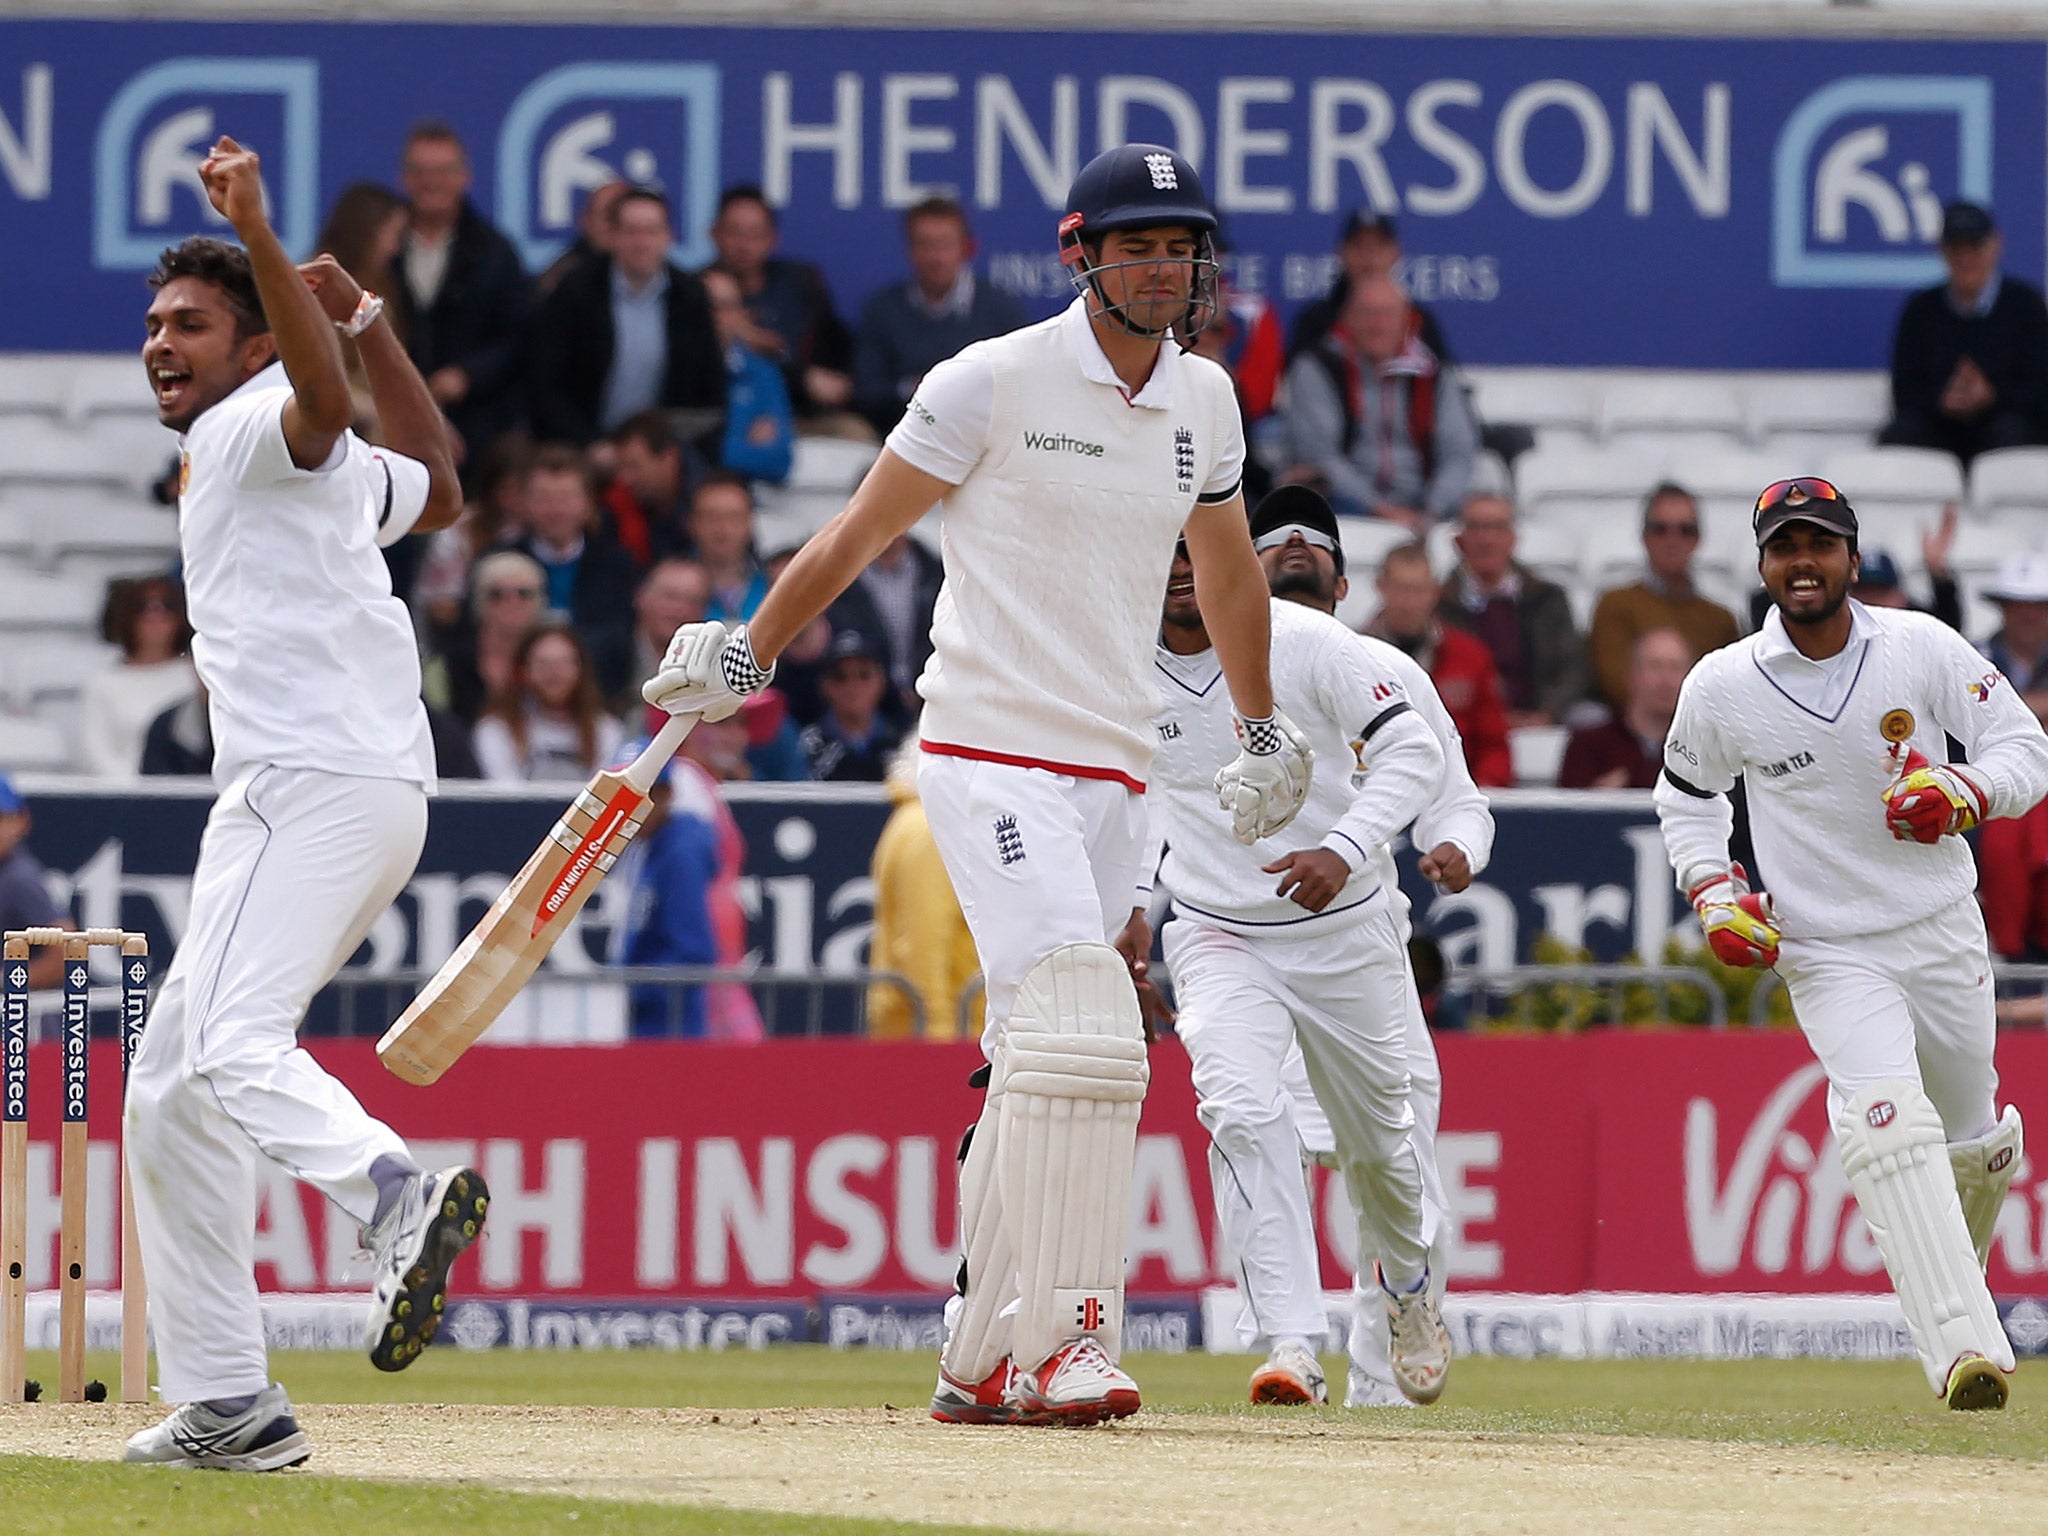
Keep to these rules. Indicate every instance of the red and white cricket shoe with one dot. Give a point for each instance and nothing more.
(1078, 1384)
(991, 1401)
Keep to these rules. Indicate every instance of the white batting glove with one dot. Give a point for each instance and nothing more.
(707, 672)
(1265, 787)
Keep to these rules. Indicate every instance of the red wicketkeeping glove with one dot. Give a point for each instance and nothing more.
(1739, 924)
(1927, 803)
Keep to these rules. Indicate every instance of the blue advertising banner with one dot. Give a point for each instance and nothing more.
(1636, 201)
(1585, 867)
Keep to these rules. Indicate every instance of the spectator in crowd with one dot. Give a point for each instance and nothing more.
(1664, 599)
(508, 596)
(906, 328)
(1375, 419)
(459, 291)
(1970, 357)
(145, 617)
(2012, 886)
(711, 755)
(670, 869)
(790, 318)
(851, 741)
(760, 424)
(493, 518)
(645, 499)
(1368, 248)
(1524, 622)
(674, 592)
(2020, 648)
(24, 896)
(1878, 583)
(180, 740)
(1245, 340)
(802, 662)
(593, 236)
(624, 333)
(549, 726)
(364, 231)
(589, 577)
(1627, 752)
(919, 931)
(892, 602)
(1455, 661)
(722, 539)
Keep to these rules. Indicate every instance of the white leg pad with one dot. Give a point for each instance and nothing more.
(1070, 1074)
(979, 1333)
(1894, 1152)
(1984, 1170)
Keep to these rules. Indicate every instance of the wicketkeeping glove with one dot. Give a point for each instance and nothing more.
(1739, 924)
(706, 672)
(1927, 803)
(1266, 785)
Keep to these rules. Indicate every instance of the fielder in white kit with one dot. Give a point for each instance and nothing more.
(1299, 544)
(324, 763)
(1313, 971)
(1068, 457)
(1831, 713)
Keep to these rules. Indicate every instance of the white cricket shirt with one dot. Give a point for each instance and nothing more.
(1811, 741)
(1377, 765)
(308, 660)
(1069, 493)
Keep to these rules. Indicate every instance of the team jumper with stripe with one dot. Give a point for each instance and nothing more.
(1812, 741)
(1354, 709)
(1069, 493)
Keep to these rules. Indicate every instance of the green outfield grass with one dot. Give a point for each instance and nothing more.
(1850, 1405)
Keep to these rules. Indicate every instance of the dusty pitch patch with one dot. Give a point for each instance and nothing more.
(1169, 1473)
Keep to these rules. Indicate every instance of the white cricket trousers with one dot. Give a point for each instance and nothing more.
(1914, 1003)
(1343, 996)
(1038, 859)
(293, 869)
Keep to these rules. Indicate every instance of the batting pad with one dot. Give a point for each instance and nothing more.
(1071, 1072)
(1984, 1170)
(1894, 1151)
(980, 1333)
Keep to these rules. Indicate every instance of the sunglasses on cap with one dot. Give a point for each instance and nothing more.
(1796, 493)
(1274, 538)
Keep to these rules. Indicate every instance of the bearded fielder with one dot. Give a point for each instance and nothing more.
(1067, 458)
(1834, 714)
(325, 764)
(1277, 990)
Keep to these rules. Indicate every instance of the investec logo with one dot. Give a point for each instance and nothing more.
(1059, 442)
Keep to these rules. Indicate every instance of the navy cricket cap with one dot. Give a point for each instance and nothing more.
(1966, 224)
(1804, 500)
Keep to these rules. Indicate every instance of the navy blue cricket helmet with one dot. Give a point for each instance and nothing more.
(1140, 186)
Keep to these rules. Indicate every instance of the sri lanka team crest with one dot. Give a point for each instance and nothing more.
(1897, 724)
(184, 471)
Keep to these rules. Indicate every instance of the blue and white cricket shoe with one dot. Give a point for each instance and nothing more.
(264, 1437)
(415, 1243)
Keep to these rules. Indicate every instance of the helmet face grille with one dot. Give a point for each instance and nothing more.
(1133, 187)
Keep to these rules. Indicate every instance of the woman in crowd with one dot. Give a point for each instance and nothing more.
(364, 231)
(507, 597)
(495, 517)
(549, 725)
(146, 617)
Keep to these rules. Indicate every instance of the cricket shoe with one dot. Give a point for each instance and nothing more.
(1078, 1384)
(992, 1400)
(261, 1438)
(1973, 1383)
(1291, 1375)
(1363, 1391)
(1420, 1348)
(427, 1227)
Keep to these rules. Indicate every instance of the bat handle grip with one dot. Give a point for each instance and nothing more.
(646, 768)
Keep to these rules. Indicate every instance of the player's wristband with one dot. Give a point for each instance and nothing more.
(738, 668)
(368, 308)
(1261, 737)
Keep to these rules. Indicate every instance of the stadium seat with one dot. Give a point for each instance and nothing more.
(111, 386)
(1537, 752)
(1559, 401)
(1841, 408)
(829, 464)
(50, 666)
(1695, 410)
(55, 603)
(1910, 480)
(28, 745)
(2008, 479)
(1571, 475)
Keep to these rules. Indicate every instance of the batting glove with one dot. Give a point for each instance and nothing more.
(1265, 787)
(706, 672)
(1740, 926)
(1927, 803)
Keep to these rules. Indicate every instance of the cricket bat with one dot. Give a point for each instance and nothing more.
(509, 942)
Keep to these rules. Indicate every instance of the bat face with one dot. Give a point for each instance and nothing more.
(509, 942)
